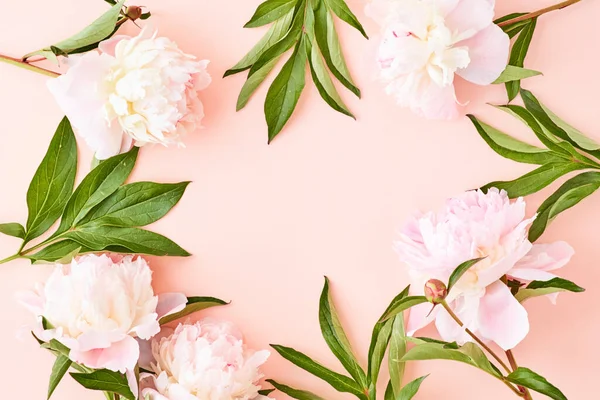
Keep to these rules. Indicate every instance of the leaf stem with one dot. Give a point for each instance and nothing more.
(470, 333)
(514, 366)
(13, 257)
(537, 13)
(23, 64)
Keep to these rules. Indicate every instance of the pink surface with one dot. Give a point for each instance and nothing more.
(265, 223)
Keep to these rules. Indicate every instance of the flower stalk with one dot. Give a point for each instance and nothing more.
(537, 13)
(24, 64)
(514, 366)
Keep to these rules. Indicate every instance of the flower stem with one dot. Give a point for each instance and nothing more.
(537, 13)
(479, 341)
(13, 257)
(514, 366)
(23, 64)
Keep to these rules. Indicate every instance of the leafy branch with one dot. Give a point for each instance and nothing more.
(566, 150)
(307, 27)
(101, 214)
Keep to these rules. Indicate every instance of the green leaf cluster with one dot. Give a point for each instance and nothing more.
(388, 336)
(565, 150)
(307, 28)
(89, 37)
(102, 214)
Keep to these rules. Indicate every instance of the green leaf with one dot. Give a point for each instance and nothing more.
(253, 82)
(329, 43)
(569, 194)
(517, 55)
(13, 229)
(339, 382)
(542, 288)
(397, 351)
(194, 304)
(402, 304)
(534, 180)
(100, 183)
(285, 91)
(105, 380)
(336, 338)
(513, 73)
(90, 36)
(136, 204)
(287, 42)
(526, 377)
(127, 240)
(421, 340)
(277, 31)
(266, 392)
(59, 369)
(52, 183)
(323, 81)
(270, 11)
(555, 125)
(470, 354)
(460, 271)
(340, 8)
(511, 148)
(379, 342)
(62, 251)
(388, 395)
(294, 393)
(512, 29)
(410, 390)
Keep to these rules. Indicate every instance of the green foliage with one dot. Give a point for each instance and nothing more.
(542, 288)
(59, 369)
(194, 304)
(460, 271)
(102, 214)
(518, 54)
(106, 381)
(512, 73)
(294, 393)
(88, 38)
(308, 27)
(529, 379)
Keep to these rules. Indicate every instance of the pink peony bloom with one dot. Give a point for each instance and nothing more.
(426, 42)
(207, 360)
(97, 307)
(134, 90)
(470, 226)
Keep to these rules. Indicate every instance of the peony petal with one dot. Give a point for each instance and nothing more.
(108, 46)
(417, 318)
(132, 382)
(82, 100)
(547, 257)
(470, 17)
(488, 51)
(170, 303)
(466, 308)
(92, 339)
(436, 102)
(526, 274)
(501, 317)
(401, 53)
(32, 301)
(120, 356)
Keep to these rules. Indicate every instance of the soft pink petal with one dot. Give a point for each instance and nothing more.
(82, 100)
(466, 309)
(547, 257)
(488, 51)
(525, 274)
(501, 317)
(470, 17)
(132, 382)
(120, 356)
(146, 356)
(401, 53)
(31, 301)
(108, 46)
(92, 339)
(147, 327)
(417, 318)
(202, 79)
(170, 303)
(436, 102)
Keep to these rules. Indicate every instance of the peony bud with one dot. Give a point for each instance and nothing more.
(133, 12)
(435, 291)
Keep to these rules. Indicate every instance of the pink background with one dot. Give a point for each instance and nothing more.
(265, 223)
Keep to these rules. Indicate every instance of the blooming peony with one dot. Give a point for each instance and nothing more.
(97, 307)
(470, 226)
(426, 42)
(207, 360)
(134, 90)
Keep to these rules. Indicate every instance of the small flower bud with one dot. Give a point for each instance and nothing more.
(133, 12)
(435, 291)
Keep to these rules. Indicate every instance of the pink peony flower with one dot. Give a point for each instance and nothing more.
(426, 42)
(97, 307)
(134, 90)
(207, 360)
(470, 226)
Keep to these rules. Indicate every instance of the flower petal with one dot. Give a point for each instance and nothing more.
(488, 51)
(170, 303)
(547, 257)
(466, 309)
(470, 17)
(108, 46)
(417, 318)
(120, 356)
(501, 317)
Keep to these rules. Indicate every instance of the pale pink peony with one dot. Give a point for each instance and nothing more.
(134, 90)
(426, 42)
(207, 360)
(470, 226)
(97, 307)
